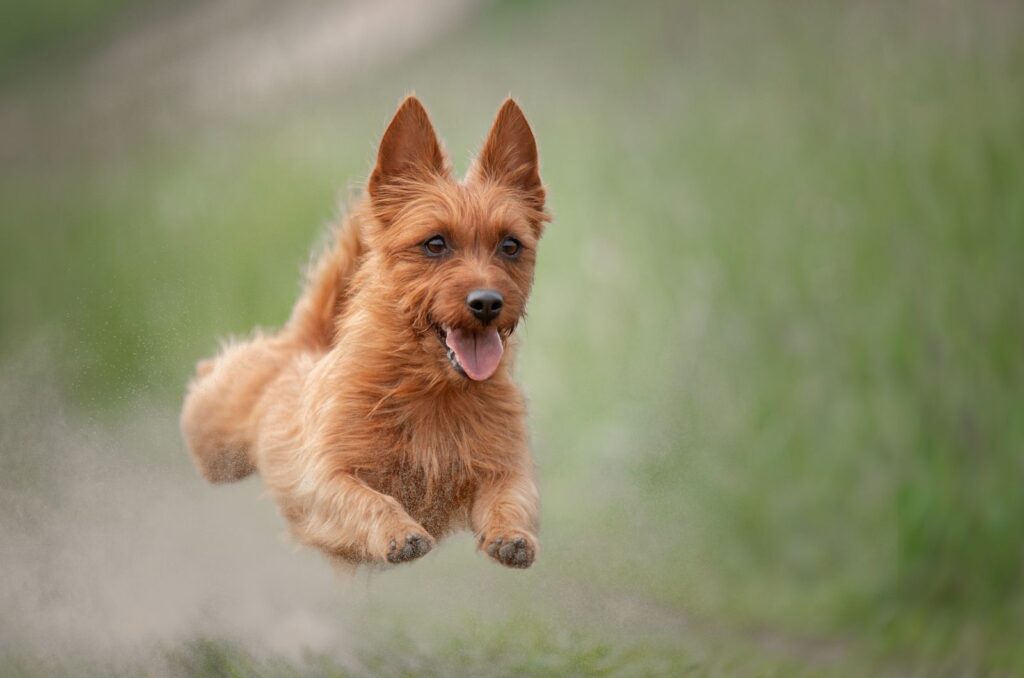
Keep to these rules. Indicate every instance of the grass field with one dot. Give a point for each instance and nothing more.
(775, 356)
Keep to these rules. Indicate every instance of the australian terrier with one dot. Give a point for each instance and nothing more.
(384, 415)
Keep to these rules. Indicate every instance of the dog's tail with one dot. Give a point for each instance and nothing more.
(314, 318)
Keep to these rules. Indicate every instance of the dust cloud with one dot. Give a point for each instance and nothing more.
(112, 544)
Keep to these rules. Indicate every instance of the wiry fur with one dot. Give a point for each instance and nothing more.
(371, 443)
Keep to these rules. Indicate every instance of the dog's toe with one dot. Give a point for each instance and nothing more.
(414, 546)
(516, 552)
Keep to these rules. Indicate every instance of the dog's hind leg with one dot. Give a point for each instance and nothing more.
(220, 414)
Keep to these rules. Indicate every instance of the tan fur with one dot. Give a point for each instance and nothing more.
(371, 443)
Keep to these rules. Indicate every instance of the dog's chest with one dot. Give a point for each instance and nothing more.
(430, 471)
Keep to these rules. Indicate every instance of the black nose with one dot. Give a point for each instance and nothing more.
(485, 304)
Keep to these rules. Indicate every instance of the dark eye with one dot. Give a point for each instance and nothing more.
(510, 247)
(435, 246)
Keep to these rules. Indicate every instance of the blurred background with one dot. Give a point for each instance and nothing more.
(775, 355)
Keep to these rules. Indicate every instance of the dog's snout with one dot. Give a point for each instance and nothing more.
(485, 304)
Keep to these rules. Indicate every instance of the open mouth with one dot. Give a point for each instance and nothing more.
(473, 353)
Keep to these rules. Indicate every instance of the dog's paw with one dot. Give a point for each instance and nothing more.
(411, 546)
(513, 549)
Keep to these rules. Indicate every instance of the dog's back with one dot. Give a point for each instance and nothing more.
(313, 322)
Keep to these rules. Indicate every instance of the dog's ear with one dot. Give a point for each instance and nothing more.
(408, 151)
(509, 155)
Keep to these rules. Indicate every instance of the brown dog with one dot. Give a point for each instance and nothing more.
(383, 415)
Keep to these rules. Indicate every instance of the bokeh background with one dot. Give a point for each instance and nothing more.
(775, 355)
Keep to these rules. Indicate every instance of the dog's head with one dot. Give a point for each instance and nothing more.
(457, 257)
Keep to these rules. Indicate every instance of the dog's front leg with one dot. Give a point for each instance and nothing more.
(348, 518)
(504, 518)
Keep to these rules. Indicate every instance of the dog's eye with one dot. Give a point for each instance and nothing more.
(510, 247)
(435, 247)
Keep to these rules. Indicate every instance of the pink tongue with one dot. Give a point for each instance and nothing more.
(478, 352)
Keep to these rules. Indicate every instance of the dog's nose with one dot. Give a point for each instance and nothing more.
(485, 304)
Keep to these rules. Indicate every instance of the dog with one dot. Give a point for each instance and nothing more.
(383, 416)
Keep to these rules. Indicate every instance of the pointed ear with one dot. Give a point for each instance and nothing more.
(408, 150)
(509, 155)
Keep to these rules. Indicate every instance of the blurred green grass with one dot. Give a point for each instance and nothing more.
(774, 355)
